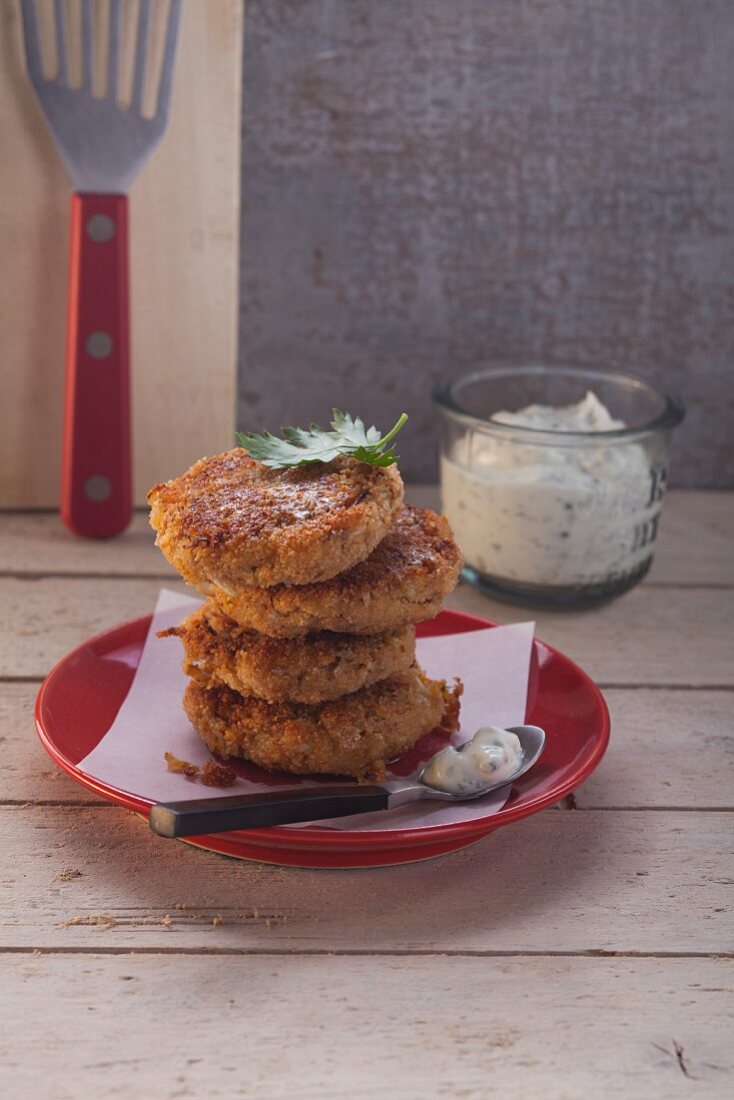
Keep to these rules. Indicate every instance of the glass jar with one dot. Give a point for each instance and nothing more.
(565, 511)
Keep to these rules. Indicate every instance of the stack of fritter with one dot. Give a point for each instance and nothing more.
(302, 658)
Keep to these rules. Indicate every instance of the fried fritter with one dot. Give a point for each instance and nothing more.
(233, 522)
(304, 670)
(403, 581)
(355, 735)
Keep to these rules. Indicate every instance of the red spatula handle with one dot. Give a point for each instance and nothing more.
(96, 483)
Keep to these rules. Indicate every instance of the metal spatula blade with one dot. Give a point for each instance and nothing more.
(103, 145)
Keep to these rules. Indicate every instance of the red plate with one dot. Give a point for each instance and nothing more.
(79, 699)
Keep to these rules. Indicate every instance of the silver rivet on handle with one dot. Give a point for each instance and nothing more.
(100, 228)
(98, 345)
(98, 488)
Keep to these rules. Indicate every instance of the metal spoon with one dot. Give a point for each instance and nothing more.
(286, 807)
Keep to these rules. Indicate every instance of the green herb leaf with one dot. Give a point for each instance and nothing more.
(298, 447)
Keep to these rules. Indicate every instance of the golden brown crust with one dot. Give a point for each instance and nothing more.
(303, 670)
(403, 581)
(229, 520)
(355, 735)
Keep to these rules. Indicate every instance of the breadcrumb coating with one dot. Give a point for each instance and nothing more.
(313, 669)
(404, 580)
(231, 521)
(355, 735)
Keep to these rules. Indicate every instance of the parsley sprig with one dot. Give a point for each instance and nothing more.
(299, 447)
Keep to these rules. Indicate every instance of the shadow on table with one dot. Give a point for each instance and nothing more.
(538, 884)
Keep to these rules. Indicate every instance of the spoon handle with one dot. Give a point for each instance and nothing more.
(252, 811)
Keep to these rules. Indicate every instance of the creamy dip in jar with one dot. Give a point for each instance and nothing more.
(555, 500)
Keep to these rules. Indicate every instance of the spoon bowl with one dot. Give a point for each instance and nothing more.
(532, 743)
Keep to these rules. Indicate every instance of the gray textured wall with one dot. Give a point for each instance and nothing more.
(431, 183)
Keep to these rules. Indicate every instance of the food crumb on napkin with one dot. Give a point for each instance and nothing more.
(211, 774)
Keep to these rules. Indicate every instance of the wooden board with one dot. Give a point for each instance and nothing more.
(582, 953)
(540, 1029)
(684, 634)
(184, 252)
(41, 544)
(654, 748)
(600, 880)
(666, 746)
(652, 635)
(668, 749)
(27, 773)
(298, 1028)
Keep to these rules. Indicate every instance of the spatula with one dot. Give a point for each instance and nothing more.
(103, 146)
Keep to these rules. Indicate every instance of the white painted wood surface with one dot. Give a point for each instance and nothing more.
(684, 633)
(583, 953)
(39, 543)
(330, 1028)
(591, 881)
(650, 764)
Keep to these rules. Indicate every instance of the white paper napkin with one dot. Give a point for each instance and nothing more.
(493, 665)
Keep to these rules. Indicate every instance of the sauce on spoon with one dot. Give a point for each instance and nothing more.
(492, 755)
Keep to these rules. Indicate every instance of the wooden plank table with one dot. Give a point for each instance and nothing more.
(585, 952)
